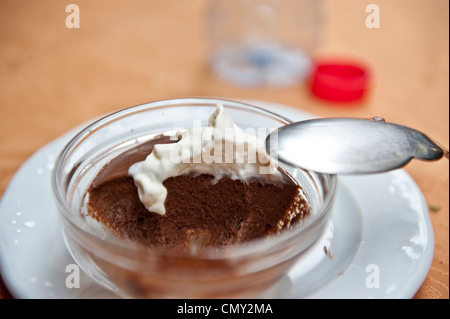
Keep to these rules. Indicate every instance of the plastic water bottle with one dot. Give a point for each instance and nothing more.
(263, 42)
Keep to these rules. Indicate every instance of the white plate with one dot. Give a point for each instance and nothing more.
(380, 242)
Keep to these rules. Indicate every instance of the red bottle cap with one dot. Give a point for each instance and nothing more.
(339, 81)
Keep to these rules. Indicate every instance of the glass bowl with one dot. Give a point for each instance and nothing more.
(135, 271)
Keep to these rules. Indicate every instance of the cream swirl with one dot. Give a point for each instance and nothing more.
(220, 149)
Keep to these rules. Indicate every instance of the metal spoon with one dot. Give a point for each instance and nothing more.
(350, 145)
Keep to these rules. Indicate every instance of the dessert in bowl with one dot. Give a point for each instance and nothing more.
(156, 202)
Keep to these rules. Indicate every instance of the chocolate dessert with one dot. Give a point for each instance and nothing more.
(199, 209)
(199, 212)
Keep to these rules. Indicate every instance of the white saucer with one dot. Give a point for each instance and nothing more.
(380, 246)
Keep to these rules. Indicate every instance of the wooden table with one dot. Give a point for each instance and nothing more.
(53, 78)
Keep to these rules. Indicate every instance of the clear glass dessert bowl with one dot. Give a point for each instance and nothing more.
(136, 271)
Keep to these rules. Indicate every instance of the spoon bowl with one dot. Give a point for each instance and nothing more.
(350, 145)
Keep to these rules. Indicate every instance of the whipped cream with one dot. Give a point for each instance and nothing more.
(220, 149)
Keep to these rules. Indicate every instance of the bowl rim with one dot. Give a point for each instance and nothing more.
(265, 245)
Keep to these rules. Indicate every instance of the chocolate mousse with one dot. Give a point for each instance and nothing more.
(200, 209)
